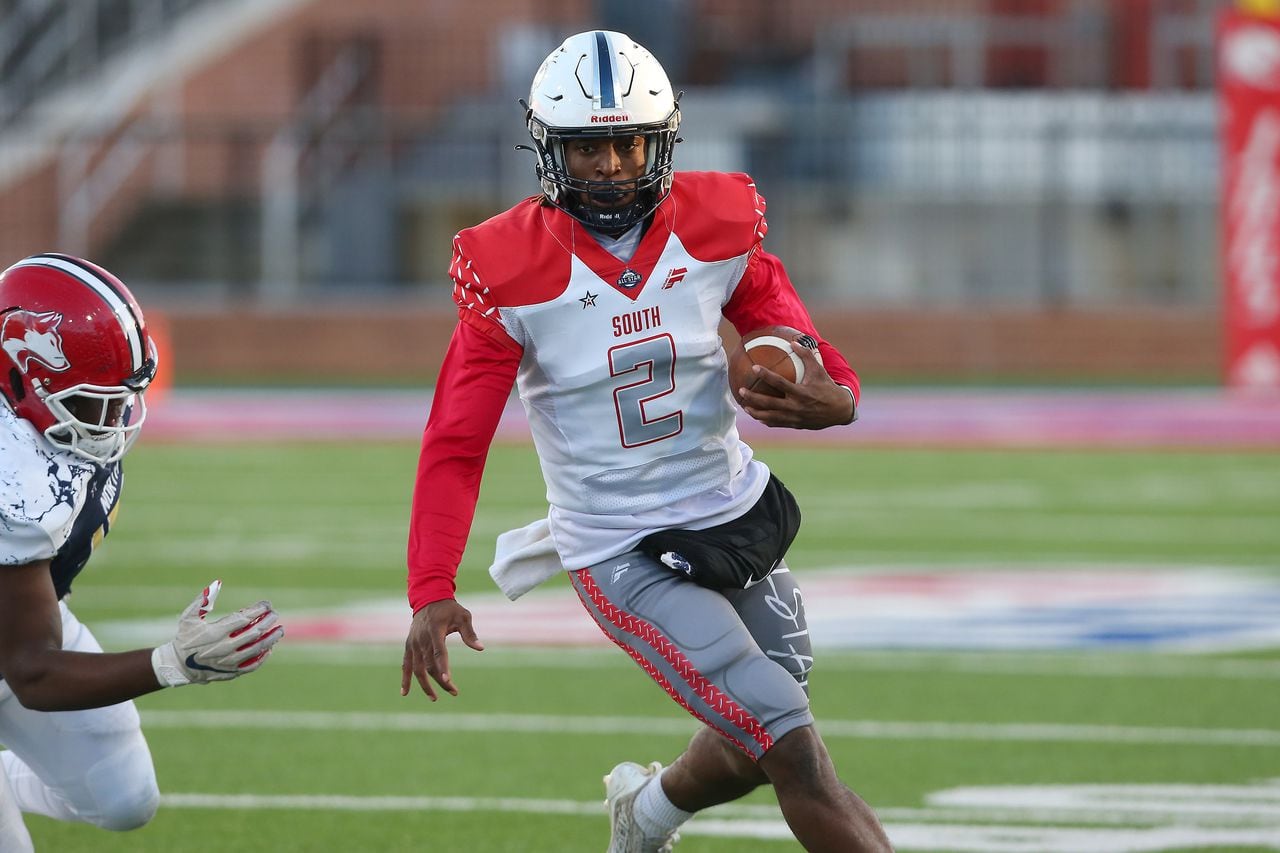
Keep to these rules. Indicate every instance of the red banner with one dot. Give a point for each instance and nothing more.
(1249, 78)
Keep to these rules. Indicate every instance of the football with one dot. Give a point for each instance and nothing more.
(769, 347)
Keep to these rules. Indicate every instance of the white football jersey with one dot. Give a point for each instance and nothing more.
(630, 407)
(54, 505)
(620, 368)
(623, 374)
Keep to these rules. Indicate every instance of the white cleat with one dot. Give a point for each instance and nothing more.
(621, 787)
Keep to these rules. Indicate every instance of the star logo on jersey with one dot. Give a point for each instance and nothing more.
(674, 277)
(629, 279)
(589, 301)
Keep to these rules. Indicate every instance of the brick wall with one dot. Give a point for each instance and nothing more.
(379, 346)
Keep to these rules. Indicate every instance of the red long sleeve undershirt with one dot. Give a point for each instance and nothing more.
(471, 393)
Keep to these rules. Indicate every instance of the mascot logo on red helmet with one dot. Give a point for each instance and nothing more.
(27, 336)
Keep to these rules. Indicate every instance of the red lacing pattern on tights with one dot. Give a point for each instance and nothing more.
(704, 689)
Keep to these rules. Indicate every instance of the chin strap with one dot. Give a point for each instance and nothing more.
(19, 390)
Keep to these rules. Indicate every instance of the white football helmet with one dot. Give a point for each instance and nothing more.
(602, 83)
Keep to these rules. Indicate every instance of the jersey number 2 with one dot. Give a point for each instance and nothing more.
(650, 365)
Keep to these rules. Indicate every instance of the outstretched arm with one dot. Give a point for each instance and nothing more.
(44, 677)
(471, 393)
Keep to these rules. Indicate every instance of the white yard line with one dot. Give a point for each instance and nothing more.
(333, 802)
(969, 830)
(865, 729)
(1265, 815)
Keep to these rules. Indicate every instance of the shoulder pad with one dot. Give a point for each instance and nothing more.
(718, 215)
(517, 257)
(40, 489)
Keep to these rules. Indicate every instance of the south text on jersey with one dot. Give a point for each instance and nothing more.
(636, 321)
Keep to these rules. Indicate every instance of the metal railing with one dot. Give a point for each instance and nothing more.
(45, 44)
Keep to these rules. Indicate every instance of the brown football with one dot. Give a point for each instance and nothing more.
(769, 347)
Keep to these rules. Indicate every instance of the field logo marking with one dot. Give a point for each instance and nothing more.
(1033, 609)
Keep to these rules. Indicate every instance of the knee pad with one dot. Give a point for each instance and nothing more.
(770, 691)
(124, 790)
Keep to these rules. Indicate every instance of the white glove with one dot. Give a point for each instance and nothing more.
(219, 650)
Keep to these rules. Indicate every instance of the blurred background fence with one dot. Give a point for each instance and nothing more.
(963, 187)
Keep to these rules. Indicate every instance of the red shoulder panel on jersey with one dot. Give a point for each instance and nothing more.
(717, 215)
(512, 258)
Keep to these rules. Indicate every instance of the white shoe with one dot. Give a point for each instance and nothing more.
(621, 787)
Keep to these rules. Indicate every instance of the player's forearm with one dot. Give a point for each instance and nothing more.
(430, 581)
(843, 406)
(443, 510)
(839, 370)
(58, 680)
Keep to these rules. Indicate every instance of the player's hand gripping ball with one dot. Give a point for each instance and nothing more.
(769, 347)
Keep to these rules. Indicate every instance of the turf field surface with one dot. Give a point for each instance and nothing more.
(1107, 746)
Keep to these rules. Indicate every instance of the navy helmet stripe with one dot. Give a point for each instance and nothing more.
(604, 68)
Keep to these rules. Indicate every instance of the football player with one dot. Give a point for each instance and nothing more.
(76, 364)
(600, 299)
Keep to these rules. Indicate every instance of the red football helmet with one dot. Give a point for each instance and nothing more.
(77, 354)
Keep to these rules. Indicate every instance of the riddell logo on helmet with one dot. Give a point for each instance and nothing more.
(609, 119)
(27, 336)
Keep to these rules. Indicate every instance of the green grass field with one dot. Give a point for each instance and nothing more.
(319, 752)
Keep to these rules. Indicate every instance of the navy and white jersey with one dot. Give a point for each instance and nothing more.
(54, 505)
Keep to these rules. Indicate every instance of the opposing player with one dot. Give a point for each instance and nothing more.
(601, 300)
(76, 362)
